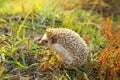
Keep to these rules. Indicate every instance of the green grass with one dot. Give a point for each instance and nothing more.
(24, 22)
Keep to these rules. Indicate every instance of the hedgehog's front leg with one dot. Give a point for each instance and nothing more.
(62, 54)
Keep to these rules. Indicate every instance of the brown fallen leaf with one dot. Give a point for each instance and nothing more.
(44, 67)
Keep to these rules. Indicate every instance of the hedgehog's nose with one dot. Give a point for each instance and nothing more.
(40, 43)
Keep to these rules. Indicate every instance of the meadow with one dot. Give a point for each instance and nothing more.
(23, 22)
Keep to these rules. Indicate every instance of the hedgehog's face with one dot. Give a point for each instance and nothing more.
(46, 42)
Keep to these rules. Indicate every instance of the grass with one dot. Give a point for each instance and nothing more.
(23, 22)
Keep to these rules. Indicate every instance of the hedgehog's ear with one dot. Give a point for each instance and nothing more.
(48, 32)
(48, 28)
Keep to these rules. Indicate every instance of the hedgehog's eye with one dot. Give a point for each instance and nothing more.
(45, 41)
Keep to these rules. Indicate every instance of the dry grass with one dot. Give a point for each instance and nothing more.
(109, 60)
(107, 67)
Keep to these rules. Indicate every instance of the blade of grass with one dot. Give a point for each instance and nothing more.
(85, 76)
(23, 59)
(21, 66)
(21, 26)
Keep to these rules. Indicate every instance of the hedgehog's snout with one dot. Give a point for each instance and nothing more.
(42, 42)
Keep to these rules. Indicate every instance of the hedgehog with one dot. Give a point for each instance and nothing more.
(72, 51)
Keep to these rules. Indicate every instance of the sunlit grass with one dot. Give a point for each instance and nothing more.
(16, 6)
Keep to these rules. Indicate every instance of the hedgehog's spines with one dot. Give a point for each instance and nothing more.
(71, 41)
